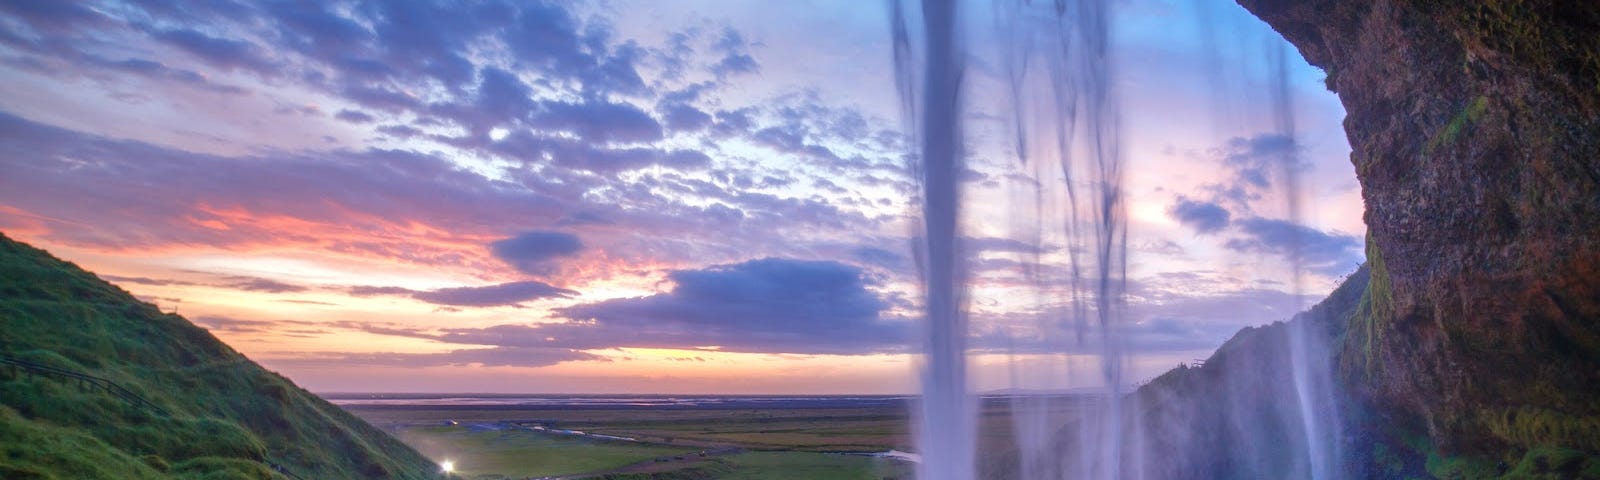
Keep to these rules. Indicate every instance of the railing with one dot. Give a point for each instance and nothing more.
(85, 381)
(283, 471)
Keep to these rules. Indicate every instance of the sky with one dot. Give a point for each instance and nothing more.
(625, 196)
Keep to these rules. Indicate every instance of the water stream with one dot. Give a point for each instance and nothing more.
(1056, 60)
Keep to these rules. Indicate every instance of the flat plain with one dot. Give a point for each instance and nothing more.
(783, 441)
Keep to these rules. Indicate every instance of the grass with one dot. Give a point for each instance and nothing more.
(512, 453)
(522, 453)
(808, 466)
(848, 434)
(227, 418)
(1529, 426)
(830, 430)
(1371, 315)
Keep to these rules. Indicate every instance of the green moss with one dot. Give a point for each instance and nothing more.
(1469, 114)
(1552, 463)
(1388, 461)
(1372, 313)
(1535, 427)
(1537, 463)
(1461, 468)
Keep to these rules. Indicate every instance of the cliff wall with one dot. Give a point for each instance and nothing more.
(1475, 128)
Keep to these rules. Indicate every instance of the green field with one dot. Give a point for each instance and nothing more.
(776, 443)
(520, 453)
(479, 453)
(806, 466)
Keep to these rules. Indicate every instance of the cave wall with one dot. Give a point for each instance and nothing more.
(1475, 130)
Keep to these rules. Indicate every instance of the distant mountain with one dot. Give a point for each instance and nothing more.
(96, 384)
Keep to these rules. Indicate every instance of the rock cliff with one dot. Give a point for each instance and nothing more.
(1475, 129)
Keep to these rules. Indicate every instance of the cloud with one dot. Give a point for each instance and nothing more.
(338, 201)
(684, 118)
(736, 64)
(1203, 217)
(736, 59)
(1329, 254)
(160, 282)
(236, 282)
(598, 121)
(766, 305)
(1159, 247)
(1252, 158)
(503, 294)
(533, 149)
(234, 325)
(257, 284)
(220, 52)
(998, 244)
(533, 252)
(891, 261)
(488, 357)
(353, 116)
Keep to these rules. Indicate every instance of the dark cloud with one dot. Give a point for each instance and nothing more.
(533, 252)
(234, 325)
(767, 305)
(891, 261)
(220, 52)
(548, 38)
(257, 284)
(53, 17)
(429, 40)
(353, 116)
(1329, 254)
(684, 118)
(584, 218)
(501, 99)
(160, 282)
(598, 121)
(372, 291)
(104, 185)
(1159, 247)
(736, 59)
(1253, 158)
(1203, 217)
(998, 244)
(1166, 312)
(736, 64)
(505, 294)
(311, 28)
(159, 72)
(529, 148)
(236, 282)
(488, 357)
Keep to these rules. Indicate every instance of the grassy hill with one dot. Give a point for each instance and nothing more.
(214, 414)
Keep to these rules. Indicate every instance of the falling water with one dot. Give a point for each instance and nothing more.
(932, 97)
(1055, 60)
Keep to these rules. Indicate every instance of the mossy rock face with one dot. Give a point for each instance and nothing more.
(1475, 133)
(218, 415)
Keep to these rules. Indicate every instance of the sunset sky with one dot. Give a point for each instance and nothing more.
(617, 196)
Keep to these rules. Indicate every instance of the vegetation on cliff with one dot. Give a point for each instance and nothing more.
(1475, 133)
(211, 412)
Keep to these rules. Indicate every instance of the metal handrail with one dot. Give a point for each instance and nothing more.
(109, 386)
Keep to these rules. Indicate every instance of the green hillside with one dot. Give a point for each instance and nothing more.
(211, 412)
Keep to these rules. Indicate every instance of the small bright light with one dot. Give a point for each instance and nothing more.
(447, 466)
